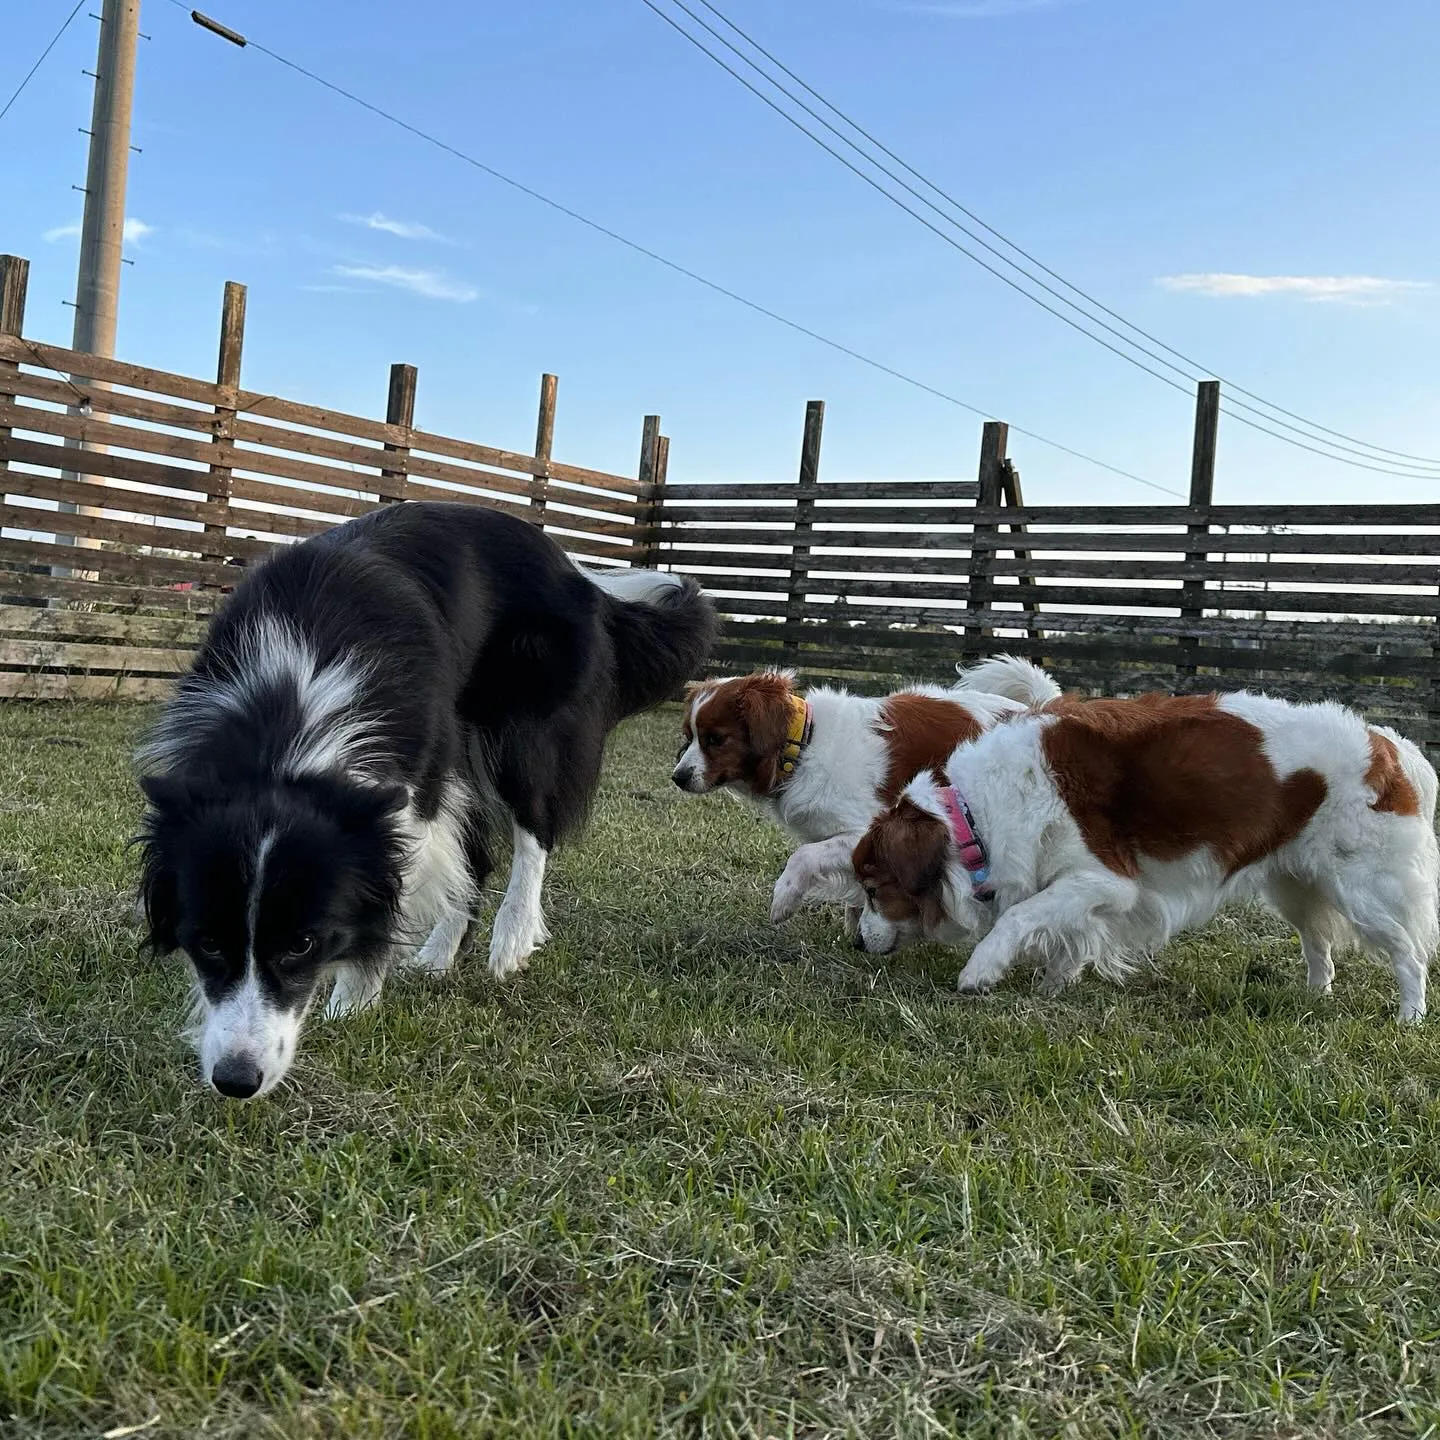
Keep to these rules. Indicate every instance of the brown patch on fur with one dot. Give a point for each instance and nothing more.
(921, 731)
(1161, 776)
(900, 864)
(742, 726)
(1393, 791)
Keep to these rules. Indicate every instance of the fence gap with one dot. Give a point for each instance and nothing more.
(544, 443)
(807, 489)
(399, 411)
(1202, 496)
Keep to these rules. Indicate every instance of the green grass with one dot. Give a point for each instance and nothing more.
(695, 1175)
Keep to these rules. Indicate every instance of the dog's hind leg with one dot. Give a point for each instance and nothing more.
(1319, 924)
(519, 927)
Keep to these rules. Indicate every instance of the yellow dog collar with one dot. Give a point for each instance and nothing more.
(802, 722)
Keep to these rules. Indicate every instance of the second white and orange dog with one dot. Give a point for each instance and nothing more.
(1086, 835)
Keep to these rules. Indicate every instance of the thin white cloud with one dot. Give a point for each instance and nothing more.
(405, 229)
(432, 284)
(135, 231)
(1361, 288)
(981, 9)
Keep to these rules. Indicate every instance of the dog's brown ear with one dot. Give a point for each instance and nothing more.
(763, 701)
(694, 687)
(913, 844)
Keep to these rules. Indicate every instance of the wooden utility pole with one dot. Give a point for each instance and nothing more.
(102, 228)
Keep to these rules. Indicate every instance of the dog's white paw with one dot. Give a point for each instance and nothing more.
(515, 937)
(441, 949)
(355, 990)
(788, 896)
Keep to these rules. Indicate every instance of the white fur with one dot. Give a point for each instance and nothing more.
(1012, 677)
(519, 926)
(835, 788)
(1352, 872)
(333, 733)
(245, 1026)
(631, 585)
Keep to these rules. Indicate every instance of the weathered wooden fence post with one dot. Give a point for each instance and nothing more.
(544, 444)
(222, 427)
(979, 595)
(1010, 493)
(399, 411)
(647, 544)
(14, 280)
(806, 491)
(1202, 494)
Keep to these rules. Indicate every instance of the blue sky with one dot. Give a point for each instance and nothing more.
(1123, 142)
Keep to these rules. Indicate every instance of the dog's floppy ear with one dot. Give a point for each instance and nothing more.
(167, 795)
(913, 845)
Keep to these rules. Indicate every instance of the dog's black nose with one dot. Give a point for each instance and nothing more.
(858, 940)
(238, 1076)
(682, 778)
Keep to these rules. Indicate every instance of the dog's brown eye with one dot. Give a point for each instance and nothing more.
(207, 947)
(711, 738)
(302, 946)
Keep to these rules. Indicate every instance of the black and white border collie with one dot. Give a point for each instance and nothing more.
(367, 710)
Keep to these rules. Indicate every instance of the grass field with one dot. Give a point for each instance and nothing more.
(693, 1175)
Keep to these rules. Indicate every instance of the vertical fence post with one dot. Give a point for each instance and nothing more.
(544, 444)
(1202, 494)
(805, 493)
(14, 279)
(654, 549)
(1011, 494)
(399, 411)
(993, 440)
(222, 427)
(648, 541)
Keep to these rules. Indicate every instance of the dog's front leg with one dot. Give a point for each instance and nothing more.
(820, 870)
(1063, 922)
(356, 989)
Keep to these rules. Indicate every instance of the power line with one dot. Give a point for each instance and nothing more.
(679, 269)
(30, 75)
(1368, 453)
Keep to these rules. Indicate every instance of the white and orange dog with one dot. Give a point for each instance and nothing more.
(825, 763)
(1086, 835)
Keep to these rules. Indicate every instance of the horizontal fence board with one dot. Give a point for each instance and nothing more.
(39, 654)
(93, 431)
(1333, 572)
(251, 402)
(679, 519)
(176, 631)
(109, 496)
(112, 403)
(126, 532)
(47, 685)
(1407, 515)
(113, 564)
(101, 464)
(14, 584)
(957, 490)
(1337, 543)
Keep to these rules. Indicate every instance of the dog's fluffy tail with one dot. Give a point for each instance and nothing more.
(662, 626)
(1012, 677)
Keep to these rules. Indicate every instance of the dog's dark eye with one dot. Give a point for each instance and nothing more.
(300, 947)
(711, 738)
(207, 947)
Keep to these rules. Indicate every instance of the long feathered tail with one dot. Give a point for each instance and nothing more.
(663, 627)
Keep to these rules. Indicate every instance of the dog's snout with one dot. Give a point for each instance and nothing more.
(238, 1076)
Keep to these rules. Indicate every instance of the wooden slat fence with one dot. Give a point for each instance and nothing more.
(168, 483)
(869, 585)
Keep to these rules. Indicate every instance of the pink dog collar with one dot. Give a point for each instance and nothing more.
(968, 842)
